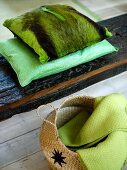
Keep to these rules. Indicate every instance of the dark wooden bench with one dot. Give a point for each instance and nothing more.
(15, 99)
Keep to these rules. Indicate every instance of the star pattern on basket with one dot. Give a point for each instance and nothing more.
(58, 158)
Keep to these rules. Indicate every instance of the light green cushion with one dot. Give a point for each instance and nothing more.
(27, 66)
(54, 31)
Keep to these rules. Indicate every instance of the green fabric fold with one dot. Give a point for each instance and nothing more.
(28, 68)
(99, 138)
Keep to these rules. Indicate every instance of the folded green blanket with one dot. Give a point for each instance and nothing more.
(54, 31)
(99, 138)
(87, 133)
(28, 68)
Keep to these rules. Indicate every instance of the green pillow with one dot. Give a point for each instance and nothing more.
(27, 66)
(54, 31)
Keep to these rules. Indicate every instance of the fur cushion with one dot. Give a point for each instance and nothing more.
(54, 31)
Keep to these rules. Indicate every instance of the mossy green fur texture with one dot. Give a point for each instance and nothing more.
(54, 31)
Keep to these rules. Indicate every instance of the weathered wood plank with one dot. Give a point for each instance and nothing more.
(19, 148)
(15, 99)
(32, 162)
(19, 125)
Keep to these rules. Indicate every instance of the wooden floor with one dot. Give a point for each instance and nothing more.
(19, 135)
(19, 144)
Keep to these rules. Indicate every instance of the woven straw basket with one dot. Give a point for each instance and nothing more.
(58, 155)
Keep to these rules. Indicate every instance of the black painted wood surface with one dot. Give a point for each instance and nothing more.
(15, 99)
